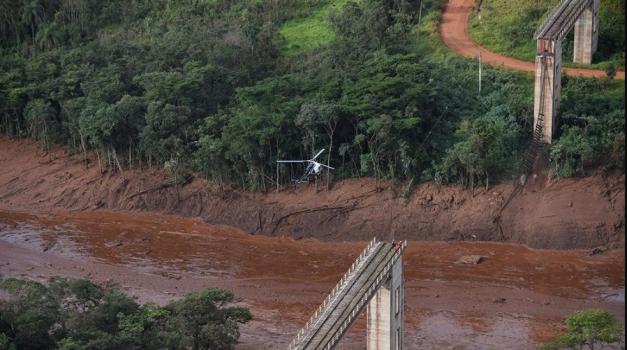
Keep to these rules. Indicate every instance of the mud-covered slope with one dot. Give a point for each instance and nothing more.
(572, 213)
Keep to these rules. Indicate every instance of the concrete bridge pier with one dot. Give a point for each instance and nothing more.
(587, 33)
(385, 313)
(548, 80)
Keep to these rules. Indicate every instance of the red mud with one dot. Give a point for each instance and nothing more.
(570, 213)
(514, 299)
(454, 33)
(59, 218)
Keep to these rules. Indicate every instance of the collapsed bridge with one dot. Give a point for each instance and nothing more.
(374, 280)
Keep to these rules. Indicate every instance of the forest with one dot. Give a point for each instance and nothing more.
(76, 314)
(224, 88)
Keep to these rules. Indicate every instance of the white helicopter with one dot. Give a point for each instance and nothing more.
(313, 169)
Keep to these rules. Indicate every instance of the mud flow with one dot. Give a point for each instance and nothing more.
(514, 298)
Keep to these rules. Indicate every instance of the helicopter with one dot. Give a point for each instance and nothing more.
(313, 168)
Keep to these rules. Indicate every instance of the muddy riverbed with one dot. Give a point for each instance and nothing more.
(516, 298)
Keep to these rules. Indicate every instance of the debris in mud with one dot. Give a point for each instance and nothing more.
(499, 300)
(49, 246)
(113, 244)
(471, 259)
(597, 251)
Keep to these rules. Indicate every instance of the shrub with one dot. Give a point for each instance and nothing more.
(486, 149)
(589, 327)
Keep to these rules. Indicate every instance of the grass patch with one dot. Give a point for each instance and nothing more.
(507, 27)
(304, 34)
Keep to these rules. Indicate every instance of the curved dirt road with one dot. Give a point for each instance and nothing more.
(454, 33)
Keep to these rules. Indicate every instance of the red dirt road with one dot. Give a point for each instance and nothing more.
(454, 33)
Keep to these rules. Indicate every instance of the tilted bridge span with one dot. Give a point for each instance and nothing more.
(375, 280)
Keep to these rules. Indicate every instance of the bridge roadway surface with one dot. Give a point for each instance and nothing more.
(350, 298)
(454, 33)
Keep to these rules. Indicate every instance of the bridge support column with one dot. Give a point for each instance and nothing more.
(385, 313)
(547, 85)
(587, 33)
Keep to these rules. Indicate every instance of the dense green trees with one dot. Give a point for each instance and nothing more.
(592, 130)
(72, 314)
(207, 85)
(486, 149)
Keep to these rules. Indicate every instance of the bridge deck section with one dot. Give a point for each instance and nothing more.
(561, 19)
(349, 297)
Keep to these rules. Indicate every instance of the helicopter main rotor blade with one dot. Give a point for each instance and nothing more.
(292, 161)
(317, 154)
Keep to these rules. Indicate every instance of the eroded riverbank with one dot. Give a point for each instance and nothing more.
(549, 214)
(516, 298)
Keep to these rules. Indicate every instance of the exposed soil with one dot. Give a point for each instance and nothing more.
(570, 213)
(454, 33)
(513, 298)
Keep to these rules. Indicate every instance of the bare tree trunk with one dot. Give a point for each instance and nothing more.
(84, 148)
(130, 156)
(329, 161)
(99, 161)
(115, 157)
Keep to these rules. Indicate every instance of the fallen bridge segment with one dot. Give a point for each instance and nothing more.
(374, 280)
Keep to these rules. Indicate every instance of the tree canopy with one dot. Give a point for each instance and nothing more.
(72, 314)
(221, 88)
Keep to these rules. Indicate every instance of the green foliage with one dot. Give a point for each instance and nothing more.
(74, 314)
(589, 327)
(227, 87)
(28, 318)
(485, 150)
(570, 153)
(40, 118)
(204, 322)
(592, 133)
(304, 34)
(4, 342)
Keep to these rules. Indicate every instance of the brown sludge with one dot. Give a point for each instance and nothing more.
(83, 224)
(514, 299)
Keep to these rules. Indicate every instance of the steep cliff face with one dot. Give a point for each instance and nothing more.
(569, 213)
